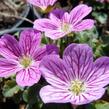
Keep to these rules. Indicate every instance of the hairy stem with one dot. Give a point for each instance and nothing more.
(17, 17)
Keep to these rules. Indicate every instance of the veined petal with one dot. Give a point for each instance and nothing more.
(47, 2)
(88, 97)
(9, 47)
(55, 34)
(45, 25)
(55, 71)
(79, 58)
(34, 2)
(30, 39)
(66, 17)
(45, 50)
(29, 76)
(79, 12)
(57, 15)
(51, 94)
(84, 25)
(7, 67)
(99, 77)
(41, 3)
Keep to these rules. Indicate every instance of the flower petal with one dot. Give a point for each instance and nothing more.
(30, 39)
(100, 75)
(42, 3)
(7, 68)
(55, 34)
(51, 94)
(79, 58)
(43, 51)
(54, 71)
(34, 2)
(88, 97)
(45, 25)
(28, 77)
(56, 15)
(9, 47)
(79, 12)
(84, 25)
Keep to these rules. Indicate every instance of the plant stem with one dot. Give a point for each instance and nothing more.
(74, 106)
(17, 17)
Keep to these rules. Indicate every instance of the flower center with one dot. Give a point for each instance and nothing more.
(25, 61)
(65, 27)
(77, 87)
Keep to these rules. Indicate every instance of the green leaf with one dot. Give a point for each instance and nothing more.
(102, 105)
(31, 96)
(10, 88)
(87, 36)
(100, 17)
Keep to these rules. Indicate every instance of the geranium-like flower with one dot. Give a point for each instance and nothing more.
(43, 4)
(61, 23)
(75, 78)
(23, 57)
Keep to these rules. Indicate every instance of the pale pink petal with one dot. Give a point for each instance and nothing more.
(9, 47)
(41, 3)
(45, 25)
(55, 71)
(34, 2)
(79, 12)
(47, 2)
(29, 40)
(84, 25)
(51, 94)
(8, 68)
(79, 58)
(88, 97)
(29, 76)
(45, 50)
(66, 17)
(55, 34)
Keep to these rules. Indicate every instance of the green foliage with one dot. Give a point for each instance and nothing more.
(10, 88)
(100, 17)
(31, 96)
(102, 105)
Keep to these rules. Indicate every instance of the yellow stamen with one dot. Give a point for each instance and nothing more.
(77, 87)
(25, 61)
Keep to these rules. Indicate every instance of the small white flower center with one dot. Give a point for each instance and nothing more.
(66, 27)
(25, 61)
(77, 87)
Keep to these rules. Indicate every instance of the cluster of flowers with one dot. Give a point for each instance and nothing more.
(74, 78)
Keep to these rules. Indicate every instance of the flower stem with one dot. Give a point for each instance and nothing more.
(17, 17)
(74, 106)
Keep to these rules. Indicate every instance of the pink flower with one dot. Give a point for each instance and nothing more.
(75, 78)
(23, 57)
(61, 23)
(43, 4)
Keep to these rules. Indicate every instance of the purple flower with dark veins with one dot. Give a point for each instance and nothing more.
(43, 4)
(75, 78)
(23, 57)
(61, 23)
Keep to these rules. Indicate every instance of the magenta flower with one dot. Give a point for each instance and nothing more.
(43, 4)
(23, 57)
(75, 78)
(61, 23)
